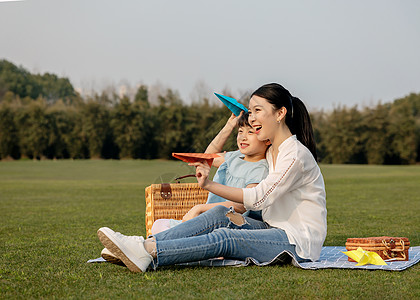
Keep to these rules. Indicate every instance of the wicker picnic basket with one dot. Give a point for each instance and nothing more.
(171, 201)
(388, 248)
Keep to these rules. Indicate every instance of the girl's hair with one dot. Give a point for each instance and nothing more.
(243, 120)
(297, 117)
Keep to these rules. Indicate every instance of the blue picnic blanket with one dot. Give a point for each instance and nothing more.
(331, 257)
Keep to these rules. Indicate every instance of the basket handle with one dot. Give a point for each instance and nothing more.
(166, 190)
(182, 177)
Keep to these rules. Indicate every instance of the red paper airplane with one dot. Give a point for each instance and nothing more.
(196, 157)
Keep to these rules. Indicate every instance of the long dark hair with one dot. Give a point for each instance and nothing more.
(297, 116)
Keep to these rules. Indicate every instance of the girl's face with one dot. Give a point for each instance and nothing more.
(249, 144)
(263, 118)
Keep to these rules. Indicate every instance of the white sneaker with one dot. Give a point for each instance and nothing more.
(129, 249)
(110, 257)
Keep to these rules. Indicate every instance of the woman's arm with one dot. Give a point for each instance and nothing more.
(287, 176)
(230, 193)
(216, 145)
(201, 208)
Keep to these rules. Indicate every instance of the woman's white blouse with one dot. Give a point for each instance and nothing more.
(292, 198)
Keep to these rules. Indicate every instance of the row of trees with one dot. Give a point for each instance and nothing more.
(385, 134)
(56, 122)
(93, 129)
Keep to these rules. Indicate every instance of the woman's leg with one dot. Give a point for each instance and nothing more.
(217, 217)
(263, 245)
(190, 241)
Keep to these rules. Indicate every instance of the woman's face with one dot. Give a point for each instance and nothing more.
(263, 118)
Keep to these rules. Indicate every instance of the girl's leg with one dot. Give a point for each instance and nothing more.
(217, 217)
(263, 245)
(160, 225)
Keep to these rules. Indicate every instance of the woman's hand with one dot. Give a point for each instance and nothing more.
(230, 193)
(202, 171)
(193, 212)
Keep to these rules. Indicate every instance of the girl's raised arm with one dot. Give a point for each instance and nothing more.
(216, 145)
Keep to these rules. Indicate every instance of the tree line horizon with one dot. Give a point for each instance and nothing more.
(43, 117)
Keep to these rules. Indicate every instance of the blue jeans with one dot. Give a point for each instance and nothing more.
(213, 234)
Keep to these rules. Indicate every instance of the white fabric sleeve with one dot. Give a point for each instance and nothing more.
(286, 177)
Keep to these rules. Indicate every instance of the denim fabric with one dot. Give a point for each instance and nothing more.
(212, 234)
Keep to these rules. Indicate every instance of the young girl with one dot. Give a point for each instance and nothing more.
(242, 168)
(292, 200)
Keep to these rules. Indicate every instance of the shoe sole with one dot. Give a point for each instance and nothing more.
(112, 259)
(109, 242)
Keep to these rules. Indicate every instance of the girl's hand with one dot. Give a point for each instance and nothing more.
(233, 120)
(202, 171)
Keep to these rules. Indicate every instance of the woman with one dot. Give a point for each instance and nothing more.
(292, 200)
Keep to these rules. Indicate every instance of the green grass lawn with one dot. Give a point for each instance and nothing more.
(50, 212)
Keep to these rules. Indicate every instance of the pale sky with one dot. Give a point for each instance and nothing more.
(325, 52)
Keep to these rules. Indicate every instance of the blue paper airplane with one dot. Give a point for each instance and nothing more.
(232, 104)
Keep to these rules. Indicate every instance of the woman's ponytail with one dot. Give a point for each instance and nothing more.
(299, 123)
(297, 117)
